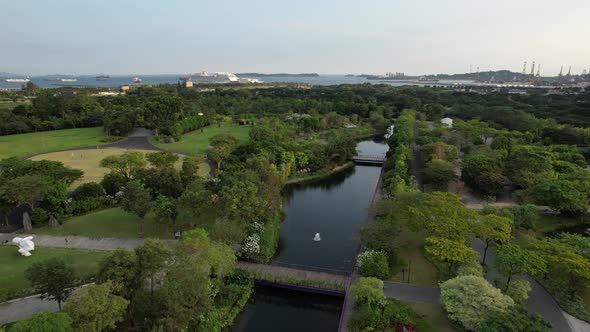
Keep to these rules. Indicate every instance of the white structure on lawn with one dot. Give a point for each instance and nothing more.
(25, 245)
(447, 121)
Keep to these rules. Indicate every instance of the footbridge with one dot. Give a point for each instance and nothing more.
(376, 160)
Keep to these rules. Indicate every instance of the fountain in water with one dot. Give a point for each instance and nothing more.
(317, 237)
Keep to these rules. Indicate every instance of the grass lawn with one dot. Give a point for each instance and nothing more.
(433, 314)
(25, 144)
(197, 141)
(88, 161)
(13, 265)
(7, 104)
(115, 222)
(411, 251)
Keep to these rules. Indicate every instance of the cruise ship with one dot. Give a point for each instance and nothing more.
(68, 80)
(17, 80)
(214, 78)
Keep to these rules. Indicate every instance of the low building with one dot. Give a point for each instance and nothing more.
(447, 121)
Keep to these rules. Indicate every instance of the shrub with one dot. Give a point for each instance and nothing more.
(471, 269)
(519, 290)
(112, 183)
(367, 290)
(373, 264)
(39, 217)
(87, 191)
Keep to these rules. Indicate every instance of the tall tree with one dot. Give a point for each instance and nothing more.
(512, 259)
(165, 210)
(493, 229)
(52, 278)
(136, 199)
(190, 169)
(162, 159)
(221, 146)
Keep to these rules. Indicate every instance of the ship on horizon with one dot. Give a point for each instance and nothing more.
(218, 78)
(137, 80)
(103, 77)
(17, 80)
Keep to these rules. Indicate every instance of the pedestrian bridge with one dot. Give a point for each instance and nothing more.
(377, 160)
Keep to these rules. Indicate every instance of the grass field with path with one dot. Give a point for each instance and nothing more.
(197, 141)
(88, 161)
(115, 222)
(13, 265)
(25, 144)
(411, 253)
(434, 314)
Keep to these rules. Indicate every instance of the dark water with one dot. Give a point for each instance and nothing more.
(275, 309)
(336, 208)
(583, 229)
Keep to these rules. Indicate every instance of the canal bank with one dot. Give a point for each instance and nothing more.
(337, 207)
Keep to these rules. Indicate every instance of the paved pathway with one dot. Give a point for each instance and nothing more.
(78, 242)
(539, 301)
(24, 308)
(412, 293)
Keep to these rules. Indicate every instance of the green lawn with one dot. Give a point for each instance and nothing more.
(25, 144)
(13, 266)
(434, 315)
(411, 254)
(197, 141)
(115, 222)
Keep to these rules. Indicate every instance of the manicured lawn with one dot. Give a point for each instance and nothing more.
(434, 315)
(115, 222)
(197, 141)
(25, 144)
(13, 266)
(88, 161)
(411, 254)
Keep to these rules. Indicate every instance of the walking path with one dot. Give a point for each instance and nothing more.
(24, 308)
(78, 242)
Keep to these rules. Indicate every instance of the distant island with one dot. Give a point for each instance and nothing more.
(277, 75)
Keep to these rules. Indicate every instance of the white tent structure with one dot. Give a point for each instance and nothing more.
(447, 121)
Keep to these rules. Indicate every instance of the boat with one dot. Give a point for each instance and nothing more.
(68, 80)
(103, 77)
(17, 80)
(214, 78)
(137, 80)
(427, 79)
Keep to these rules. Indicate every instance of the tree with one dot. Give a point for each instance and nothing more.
(450, 252)
(469, 299)
(127, 164)
(94, 308)
(165, 210)
(512, 259)
(151, 259)
(221, 146)
(25, 189)
(52, 278)
(112, 182)
(367, 290)
(120, 267)
(136, 199)
(528, 165)
(525, 215)
(44, 322)
(493, 229)
(161, 181)
(519, 290)
(515, 319)
(560, 195)
(439, 173)
(162, 159)
(441, 215)
(190, 170)
(491, 181)
(382, 236)
(193, 200)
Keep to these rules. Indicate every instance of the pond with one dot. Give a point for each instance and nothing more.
(277, 309)
(335, 207)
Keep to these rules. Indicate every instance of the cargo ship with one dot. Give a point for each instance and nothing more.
(103, 77)
(137, 80)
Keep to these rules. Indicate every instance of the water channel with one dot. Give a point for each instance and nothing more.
(335, 207)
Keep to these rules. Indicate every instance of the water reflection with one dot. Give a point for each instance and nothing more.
(275, 309)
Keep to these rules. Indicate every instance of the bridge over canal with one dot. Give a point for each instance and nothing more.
(376, 160)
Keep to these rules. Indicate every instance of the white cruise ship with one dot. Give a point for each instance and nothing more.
(214, 78)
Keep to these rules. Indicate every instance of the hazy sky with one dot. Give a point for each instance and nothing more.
(324, 36)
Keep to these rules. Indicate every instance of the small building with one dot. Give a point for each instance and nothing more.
(447, 121)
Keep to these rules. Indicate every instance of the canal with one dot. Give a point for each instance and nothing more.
(335, 207)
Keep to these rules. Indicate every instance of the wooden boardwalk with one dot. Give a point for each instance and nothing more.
(330, 281)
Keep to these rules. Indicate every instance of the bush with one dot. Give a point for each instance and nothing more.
(439, 172)
(39, 217)
(88, 190)
(373, 264)
(367, 291)
(471, 269)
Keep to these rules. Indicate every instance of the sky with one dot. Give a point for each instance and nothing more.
(269, 36)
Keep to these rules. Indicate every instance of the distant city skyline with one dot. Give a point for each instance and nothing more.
(328, 37)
